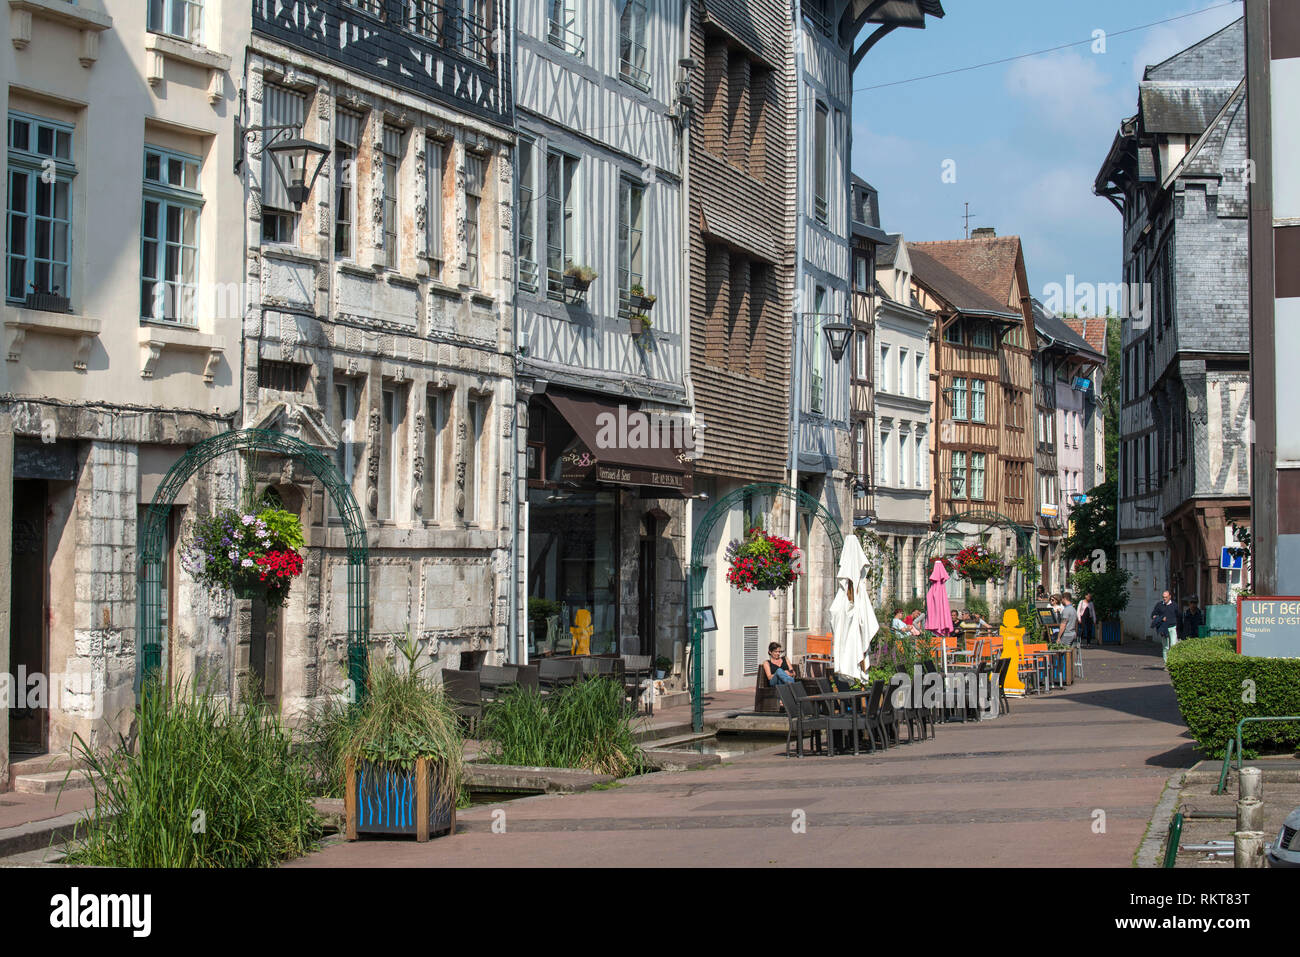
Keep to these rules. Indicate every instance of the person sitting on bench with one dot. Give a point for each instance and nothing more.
(777, 668)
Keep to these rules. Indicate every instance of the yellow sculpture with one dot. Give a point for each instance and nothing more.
(1012, 647)
(582, 632)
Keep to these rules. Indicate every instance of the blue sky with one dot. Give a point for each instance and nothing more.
(1027, 137)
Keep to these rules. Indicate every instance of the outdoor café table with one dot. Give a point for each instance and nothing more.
(1055, 662)
(852, 698)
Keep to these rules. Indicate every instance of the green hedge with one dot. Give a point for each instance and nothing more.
(1208, 677)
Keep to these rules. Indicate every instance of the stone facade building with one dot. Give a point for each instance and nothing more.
(379, 326)
(122, 345)
(1177, 172)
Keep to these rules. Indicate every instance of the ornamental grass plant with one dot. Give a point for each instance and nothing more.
(200, 787)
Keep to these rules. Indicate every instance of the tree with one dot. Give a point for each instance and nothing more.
(1094, 526)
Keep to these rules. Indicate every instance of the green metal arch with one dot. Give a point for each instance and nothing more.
(936, 540)
(151, 536)
(697, 572)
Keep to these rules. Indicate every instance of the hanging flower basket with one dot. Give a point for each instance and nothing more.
(763, 561)
(977, 564)
(251, 553)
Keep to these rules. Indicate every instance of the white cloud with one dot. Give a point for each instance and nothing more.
(1067, 93)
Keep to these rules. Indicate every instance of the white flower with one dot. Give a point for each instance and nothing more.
(232, 554)
(247, 563)
(249, 519)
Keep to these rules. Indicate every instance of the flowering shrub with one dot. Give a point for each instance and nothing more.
(763, 561)
(251, 553)
(977, 562)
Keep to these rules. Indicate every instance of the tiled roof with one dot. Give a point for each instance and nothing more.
(959, 292)
(987, 263)
(1092, 330)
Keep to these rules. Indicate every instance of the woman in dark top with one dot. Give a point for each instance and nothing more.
(777, 668)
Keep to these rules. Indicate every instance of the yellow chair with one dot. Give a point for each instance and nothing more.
(582, 632)
(1012, 647)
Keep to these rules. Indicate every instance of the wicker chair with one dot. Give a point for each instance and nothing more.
(462, 688)
(804, 719)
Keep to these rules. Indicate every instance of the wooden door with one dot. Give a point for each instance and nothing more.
(28, 644)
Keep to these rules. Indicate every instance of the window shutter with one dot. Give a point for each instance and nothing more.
(751, 649)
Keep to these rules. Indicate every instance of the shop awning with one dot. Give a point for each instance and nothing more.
(619, 444)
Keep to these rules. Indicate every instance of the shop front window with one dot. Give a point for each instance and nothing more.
(573, 567)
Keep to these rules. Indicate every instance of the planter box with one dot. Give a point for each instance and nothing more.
(641, 303)
(1112, 632)
(636, 326)
(383, 799)
(47, 302)
(576, 283)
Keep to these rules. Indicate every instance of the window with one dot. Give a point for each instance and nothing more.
(427, 18)
(958, 472)
(977, 394)
(922, 385)
(904, 370)
(373, 7)
(434, 170)
(527, 176)
(860, 449)
(169, 236)
(475, 176)
(39, 214)
(392, 164)
(860, 273)
(344, 423)
(393, 413)
(177, 18)
(562, 27)
(817, 344)
(882, 373)
(280, 107)
(904, 460)
(283, 376)
(920, 458)
(977, 476)
(561, 219)
(631, 229)
(435, 426)
(886, 440)
(475, 410)
(821, 169)
(1014, 410)
(476, 29)
(959, 398)
(862, 341)
(981, 336)
(952, 334)
(631, 45)
(347, 140)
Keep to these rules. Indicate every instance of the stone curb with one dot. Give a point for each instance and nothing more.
(1149, 851)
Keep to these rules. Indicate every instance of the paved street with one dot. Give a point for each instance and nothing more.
(1021, 790)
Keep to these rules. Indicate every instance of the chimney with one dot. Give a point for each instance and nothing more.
(983, 232)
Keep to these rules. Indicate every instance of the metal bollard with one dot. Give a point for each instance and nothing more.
(1248, 849)
(1250, 784)
(1250, 815)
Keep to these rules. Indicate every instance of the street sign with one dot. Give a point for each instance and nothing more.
(1269, 626)
(1229, 560)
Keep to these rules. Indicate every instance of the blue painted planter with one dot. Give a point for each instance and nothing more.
(385, 799)
(1112, 632)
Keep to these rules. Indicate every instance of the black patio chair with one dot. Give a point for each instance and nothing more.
(553, 674)
(841, 717)
(462, 689)
(875, 725)
(803, 719)
(888, 714)
(1000, 670)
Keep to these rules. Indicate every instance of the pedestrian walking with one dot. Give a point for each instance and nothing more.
(1087, 619)
(1164, 616)
(1069, 620)
(1192, 620)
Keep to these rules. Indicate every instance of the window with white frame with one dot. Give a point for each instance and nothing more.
(38, 254)
(904, 460)
(476, 29)
(977, 460)
(392, 150)
(177, 18)
(561, 219)
(476, 414)
(393, 416)
(475, 177)
(978, 393)
(169, 236)
(904, 371)
(862, 343)
(346, 392)
(882, 372)
(885, 469)
(280, 107)
(631, 232)
(631, 44)
(435, 153)
(435, 432)
(860, 450)
(981, 336)
(562, 28)
(428, 18)
(347, 140)
(817, 392)
(922, 386)
(953, 333)
(959, 399)
(921, 457)
(526, 175)
(958, 472)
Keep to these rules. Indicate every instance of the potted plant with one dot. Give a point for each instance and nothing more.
(639, 324)
(977, 564)
(47, 301)
(252, 551)
(663, 667)
(763, 561)
(578, 278)
(404, 758)
(640, 301)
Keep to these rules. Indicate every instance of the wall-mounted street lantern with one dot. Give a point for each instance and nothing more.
(838, 335)
(957, 483)
(298, 161)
